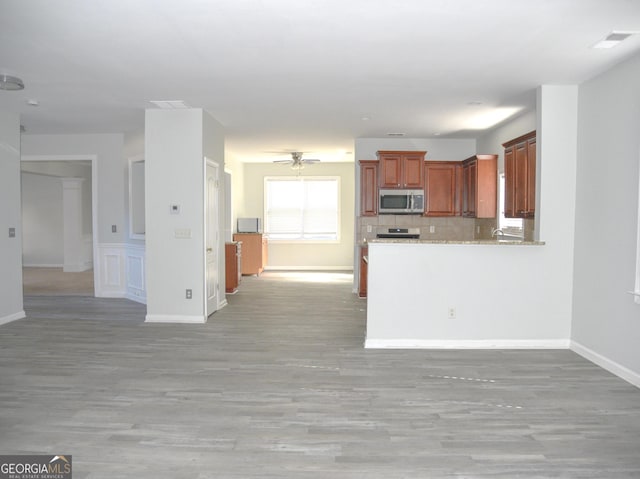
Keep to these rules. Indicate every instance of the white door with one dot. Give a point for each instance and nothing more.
(211, 238)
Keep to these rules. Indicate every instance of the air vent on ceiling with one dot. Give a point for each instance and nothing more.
(395, 134)
(613, 39)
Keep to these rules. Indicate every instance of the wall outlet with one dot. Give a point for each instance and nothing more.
(432, 229)
(368, 228)
(189, 294)
(451, 312)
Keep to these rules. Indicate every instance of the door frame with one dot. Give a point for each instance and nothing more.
(94, 202)
(221, 297)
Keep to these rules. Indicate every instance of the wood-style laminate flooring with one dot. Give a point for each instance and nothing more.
(278, 385)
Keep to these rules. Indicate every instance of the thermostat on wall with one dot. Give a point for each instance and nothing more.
(174, 209)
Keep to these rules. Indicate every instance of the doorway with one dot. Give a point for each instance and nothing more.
(59, 225)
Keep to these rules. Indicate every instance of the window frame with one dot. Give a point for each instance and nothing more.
(335, 178)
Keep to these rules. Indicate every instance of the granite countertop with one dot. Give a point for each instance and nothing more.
(483, 242)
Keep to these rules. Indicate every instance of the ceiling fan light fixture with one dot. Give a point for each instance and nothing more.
(10, 83)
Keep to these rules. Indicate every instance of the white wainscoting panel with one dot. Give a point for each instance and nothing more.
(136, 273)
(111, 271)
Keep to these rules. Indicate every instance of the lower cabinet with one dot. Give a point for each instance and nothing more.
(233, 266)
(364, 269)
(254, 252)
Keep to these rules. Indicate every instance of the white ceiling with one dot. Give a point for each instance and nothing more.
(300, 74)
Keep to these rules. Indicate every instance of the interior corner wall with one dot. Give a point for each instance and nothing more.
(109, 151)
(323, 256)
(606, 320)
(491, 142)
(42, 220)
(11, 305)
(174, 175)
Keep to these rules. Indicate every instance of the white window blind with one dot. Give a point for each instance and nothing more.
(302, 208)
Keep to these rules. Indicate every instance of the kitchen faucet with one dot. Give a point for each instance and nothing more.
(496, 232)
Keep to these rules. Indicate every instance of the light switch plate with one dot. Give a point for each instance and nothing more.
(12, 232)
(174, 209)
(182, 233)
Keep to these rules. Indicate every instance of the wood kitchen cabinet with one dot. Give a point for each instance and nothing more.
(254, 252)
(401, 169)
(520, 176)
(364, 270)
(480, 180)
(233, 268)
(443, 188)
(369, 187)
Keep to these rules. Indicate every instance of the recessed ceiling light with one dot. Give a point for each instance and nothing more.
(436, 134)
(8, 82)
(170, 104)
(613, 39)
(396, 134)
(365, 118)
(33, 102)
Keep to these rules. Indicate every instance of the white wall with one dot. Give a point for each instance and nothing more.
(11, 306)
(110, 164)
(305, 256)
(437, 149)
(539, 278)
(42, 220)
(606, 320)
(176, 142)
(491, 142)
(503, 296)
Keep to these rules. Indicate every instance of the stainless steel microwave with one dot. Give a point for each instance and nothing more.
(401, 202)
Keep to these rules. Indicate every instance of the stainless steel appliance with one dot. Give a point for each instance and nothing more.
(401, 202)
(399, 233)
(249, 225)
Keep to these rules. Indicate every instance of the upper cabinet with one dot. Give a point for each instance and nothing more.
(369, 187)
(401, 169)
(520, 176)
(480, 186)
(443, 188)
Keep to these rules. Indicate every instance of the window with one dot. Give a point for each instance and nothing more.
(302, 208)
(509, 226)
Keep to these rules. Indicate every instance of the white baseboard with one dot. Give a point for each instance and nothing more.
(310, 268)
(42, 265)
(174, 318)
(12, 317)
(606, 363)
(467, 344)
(77, 268)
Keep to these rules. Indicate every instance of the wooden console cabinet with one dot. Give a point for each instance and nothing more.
(233, 268)
(254, 252)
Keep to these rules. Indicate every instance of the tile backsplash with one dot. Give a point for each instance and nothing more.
(446, 228)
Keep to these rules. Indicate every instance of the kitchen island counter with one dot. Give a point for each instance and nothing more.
(463, 294)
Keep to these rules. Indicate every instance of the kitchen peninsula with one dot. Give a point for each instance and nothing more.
(458, 294)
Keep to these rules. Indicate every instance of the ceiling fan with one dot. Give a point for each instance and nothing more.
(297, 162)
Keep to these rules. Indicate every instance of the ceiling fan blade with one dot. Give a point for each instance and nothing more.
(311, 160)
(282, 161)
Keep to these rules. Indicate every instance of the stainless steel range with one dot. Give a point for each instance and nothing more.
(399, 233)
